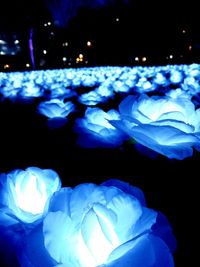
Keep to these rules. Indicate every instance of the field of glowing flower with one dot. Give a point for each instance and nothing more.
(92, 160)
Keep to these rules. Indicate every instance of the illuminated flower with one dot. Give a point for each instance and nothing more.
(166, 125)
(55, 108)
(25, 194)
(95, 130)
(56, 111)
(106, 225)
(91, 98)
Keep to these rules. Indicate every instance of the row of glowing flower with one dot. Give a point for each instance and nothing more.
(104, 82)
(169, 126)
(167, 122)
(45, 224)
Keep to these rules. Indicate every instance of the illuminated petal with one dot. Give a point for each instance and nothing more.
(60, 201)
(95, 239)
(26, 193)
(182, 126)
(107, 220)
(82, 199)
(60, 238)
(163, 229)
(171, 143)
(145, 222)
(32, 251)
(128, 211)
(109, 191)
(146, 251)
(127, 188)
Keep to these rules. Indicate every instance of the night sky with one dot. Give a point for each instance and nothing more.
(158, 17)
(119, 29)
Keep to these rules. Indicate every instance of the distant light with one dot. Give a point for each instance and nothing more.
(170, 56)
(49, 23)
(89, 43)
(16, 42)
(190, 47)
(52, 33)
(45, 24)
(144, 59)
(6, 66)
(65, 44)
(44, 52)
(136, 58)
(2, 53)
(79, 58)
(64, 59)
(183, 31)
(2, 42)
(27, 65)
(117, 19)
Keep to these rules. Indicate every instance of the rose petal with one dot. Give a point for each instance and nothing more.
(147, 251)
(127, 188)
(128, 210)
(58, 230)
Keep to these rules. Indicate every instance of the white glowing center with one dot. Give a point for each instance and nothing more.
(32, 196)
(95, 245)
(161, 108)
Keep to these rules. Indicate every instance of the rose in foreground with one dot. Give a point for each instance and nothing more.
(106, 225)
(168, 126)
(25, 194)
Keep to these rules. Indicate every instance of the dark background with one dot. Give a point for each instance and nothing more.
(119, 30)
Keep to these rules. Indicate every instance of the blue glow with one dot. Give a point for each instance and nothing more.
(91, 99)
(160, 79)
(95, 130)
(176, 76)
(62, 83)
(93, 225)
(56, 108)
(177, 93)
(166, 125)
(144, 85)
(27, 192)
(31, 90)
(120, 86)
(105, 91)
(109, 84)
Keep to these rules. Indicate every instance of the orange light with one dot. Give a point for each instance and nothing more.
(6, 66)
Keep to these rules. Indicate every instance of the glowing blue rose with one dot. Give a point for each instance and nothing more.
(55, 108)
(166, 125)
(91, 98)
(95, 130)
(106, 225)
(25, 194)
(57, 111)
